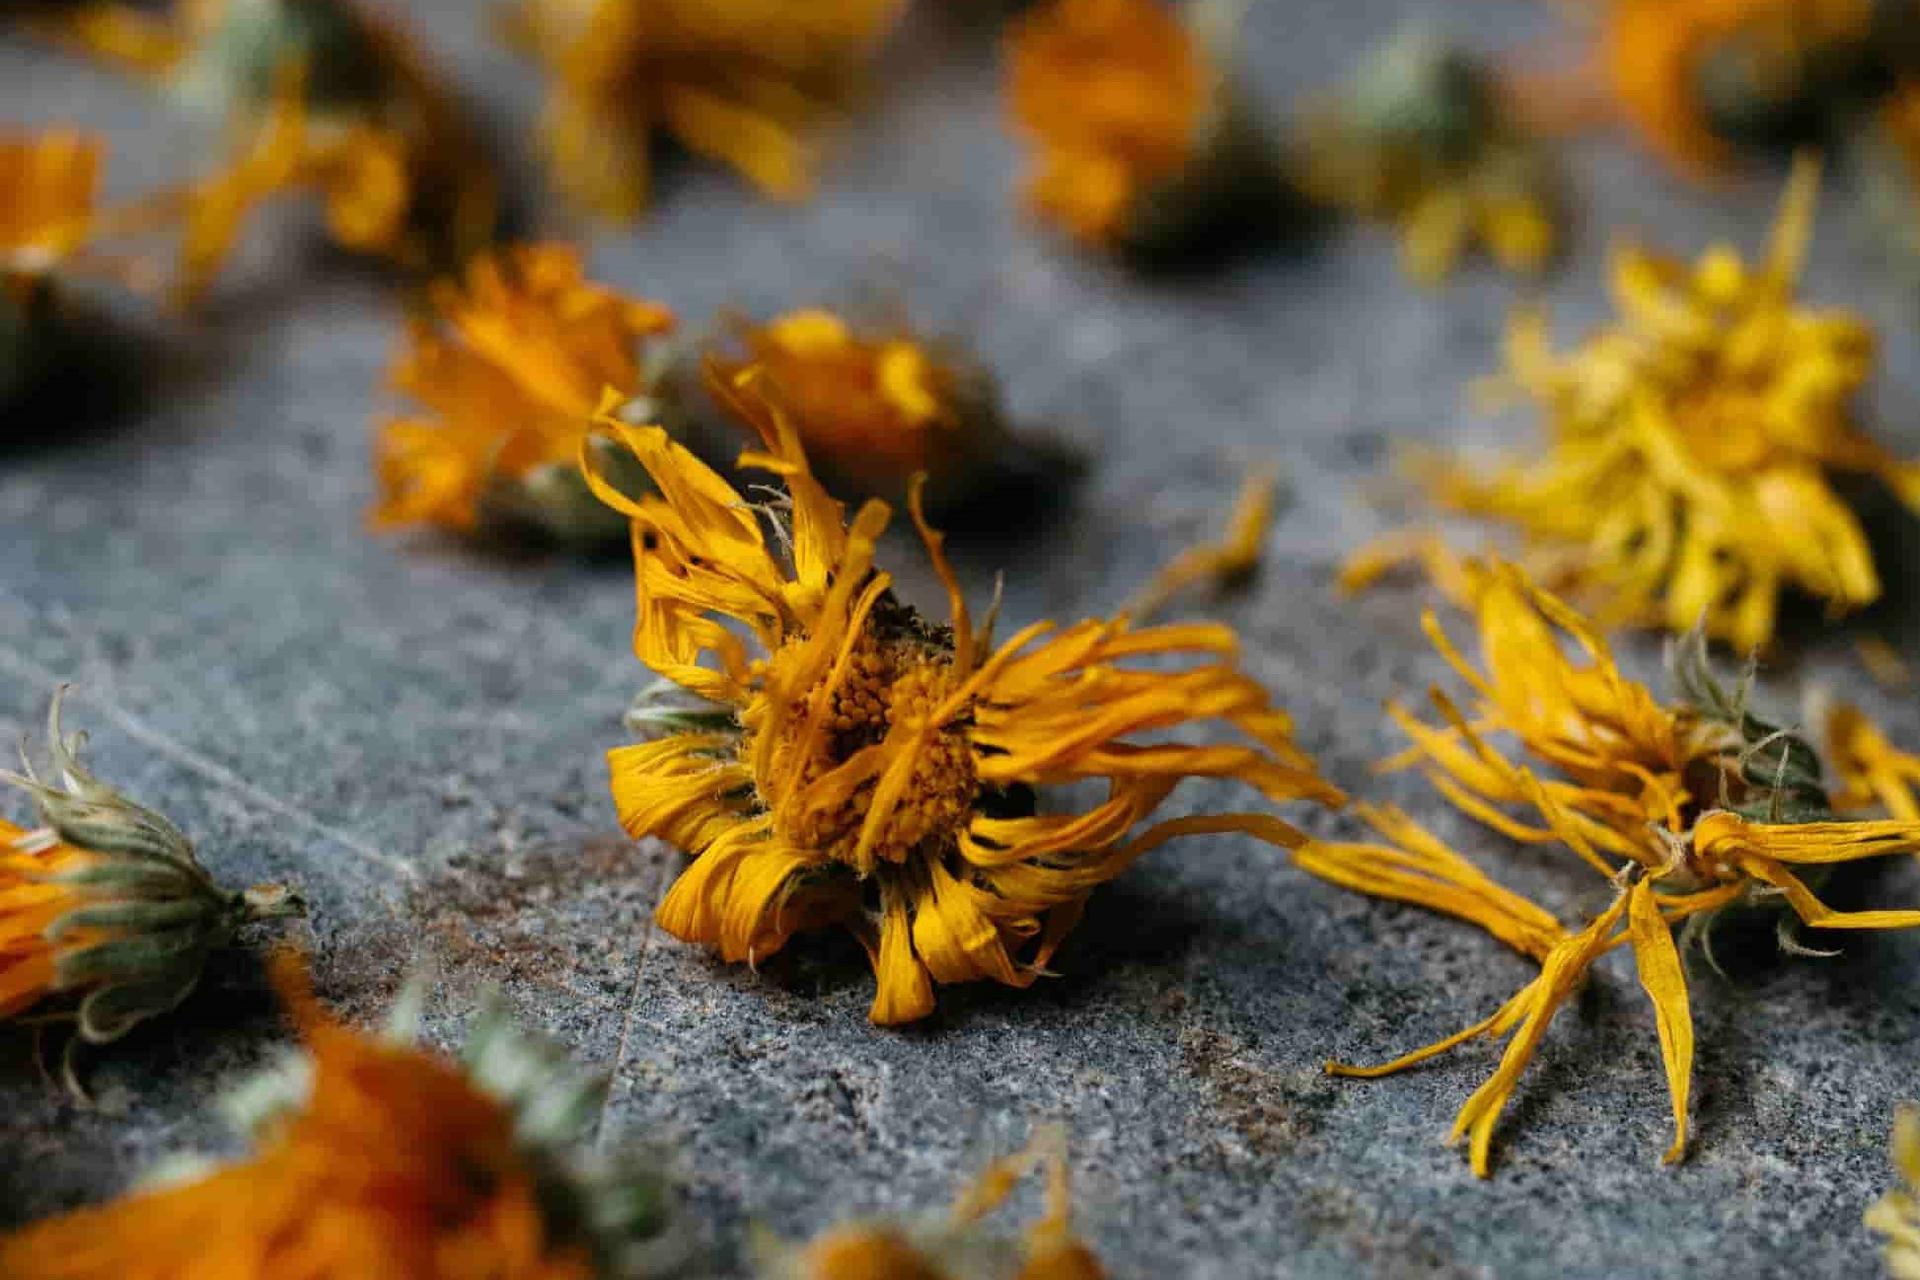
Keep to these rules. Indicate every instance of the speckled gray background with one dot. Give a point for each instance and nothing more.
(412, 730)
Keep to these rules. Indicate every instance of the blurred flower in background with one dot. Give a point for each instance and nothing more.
(749, 83)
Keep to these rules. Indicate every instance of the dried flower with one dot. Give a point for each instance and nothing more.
(104, 903)
(874, 409)
(1896, 1215)
(1700, 78)
(1873, 773)
(48, 182)
(875, 771)
(953, 1246)
(119, 33)
(375, 1158)
(329, 97)
(744, 82)
(511, 366)
(1143, 144)
(1691, 446)
(1690, 810)
(1425, 139)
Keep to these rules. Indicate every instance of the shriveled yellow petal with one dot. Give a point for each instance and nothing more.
(1658, 962)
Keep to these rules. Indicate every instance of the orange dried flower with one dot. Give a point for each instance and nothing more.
(394, 1165)
(48, 183)
(871, 770)
(511, 366)
(872, 409)
(1141, 143)
(953, 1246)
(744, 82)
(1690, 809)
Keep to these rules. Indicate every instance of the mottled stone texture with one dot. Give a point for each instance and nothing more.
(413, 731)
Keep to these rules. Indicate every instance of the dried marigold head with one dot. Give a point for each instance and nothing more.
(1424, 139)
(329, 97)
(1141, 142)
(1691, 809)
(1896, 1215)
(510, 367)
(1701, 78)
(104, 903)
(48, 183)
(874, 408)
(745, 82)
(376, 1158)
(870, 769)
(954, 1245)
(1692, 446)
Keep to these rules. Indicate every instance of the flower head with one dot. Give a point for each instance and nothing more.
(104, 903)
(1896, 1215)
(874, 408)
(1424, 139)
(954, 1246)
(48, 183)
(869, 769)
(376, 1158)
(1692, 446)
(744, 82)
(511, 366)
(1689, 809)
(1141, 142)
(329, 97)
(1699, 77)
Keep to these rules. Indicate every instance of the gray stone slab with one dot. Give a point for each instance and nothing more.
(413, 731)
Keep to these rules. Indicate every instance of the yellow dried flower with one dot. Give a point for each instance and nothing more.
(105, 905)
(48, 183)
(1690, 809)
(872, 409)
(329, 97)
(1425, 139)
(1141, 142)
(1692, 444)
(744, 82)
(378, 1159)
(953, 1246)
(1871, 770)
(871, 770)
(511, 366)
(1896, 1215)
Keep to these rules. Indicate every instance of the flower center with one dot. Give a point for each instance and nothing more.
(879, 708)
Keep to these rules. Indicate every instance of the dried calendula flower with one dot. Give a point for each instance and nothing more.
(954, 1245)
(1690, 809)
(1425, 139)
(1896, 1215)
(48, 184)
(333, 98)
(1692, 446)
(104, 904)
(511, 365)
(1701, 78)
(872, 770)
(1143, 142)
(377, 1158)
(745, 82)
(873, 408)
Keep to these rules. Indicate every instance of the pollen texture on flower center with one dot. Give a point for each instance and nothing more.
(896, 674)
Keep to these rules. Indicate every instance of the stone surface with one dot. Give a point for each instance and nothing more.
(413, 729)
